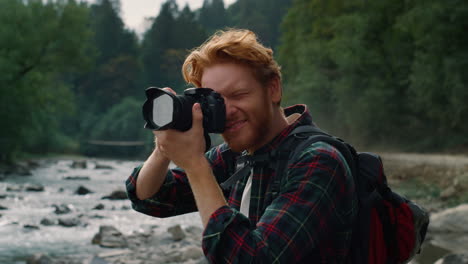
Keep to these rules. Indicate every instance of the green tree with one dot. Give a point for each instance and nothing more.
(166, 44)
(382, 72)
(261, 16)
(122, 122)
(438, 83)
(213, 15)
(38, 43)
(117, 70)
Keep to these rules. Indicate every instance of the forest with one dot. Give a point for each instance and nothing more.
(387, 74)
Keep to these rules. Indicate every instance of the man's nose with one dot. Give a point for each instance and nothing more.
(230, 109)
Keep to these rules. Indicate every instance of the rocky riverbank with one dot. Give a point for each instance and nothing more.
(76, 211)
(177, 245)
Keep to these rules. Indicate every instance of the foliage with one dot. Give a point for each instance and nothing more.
(166, 44)
(387, 73)
(123, 122)
(261, 16)
(381, 73)
(41, 41)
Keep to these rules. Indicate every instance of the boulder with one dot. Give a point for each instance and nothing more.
(117, 195)
(34, 188)
(449, 229)
(69, 222)
(83, 190)
(20, 168)
(451, 220)
(62, 209)
(79, 164)
(14, 188)
(192, 252)
(31, 227)
(40, 259)
(176, 232)
(109, 237)
(97, 260)
(103, 167)
(47, 222)
(453, 259)
(99, 207)
(77, 178)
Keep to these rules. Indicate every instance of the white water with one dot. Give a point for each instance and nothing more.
(29, 208)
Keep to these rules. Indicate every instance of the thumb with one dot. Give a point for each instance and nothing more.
(197, 116)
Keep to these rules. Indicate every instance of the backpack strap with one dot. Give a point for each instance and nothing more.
(304, 136)
(281, 155)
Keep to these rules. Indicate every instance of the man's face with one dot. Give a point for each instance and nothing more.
(249, 106)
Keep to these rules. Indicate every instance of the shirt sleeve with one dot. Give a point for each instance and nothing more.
(175, 196)
(310, 220)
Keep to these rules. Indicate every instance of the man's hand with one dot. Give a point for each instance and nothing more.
(185, 149)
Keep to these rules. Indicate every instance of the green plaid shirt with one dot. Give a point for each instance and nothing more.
(308, 221)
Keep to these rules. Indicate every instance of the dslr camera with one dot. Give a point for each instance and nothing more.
(164, 110)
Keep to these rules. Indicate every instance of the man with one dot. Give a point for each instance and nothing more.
(308, 220)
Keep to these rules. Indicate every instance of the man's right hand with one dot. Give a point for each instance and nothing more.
(154, 170)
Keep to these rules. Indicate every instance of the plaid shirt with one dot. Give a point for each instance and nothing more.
(308, 220)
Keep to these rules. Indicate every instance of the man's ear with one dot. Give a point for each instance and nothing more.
(274, 88)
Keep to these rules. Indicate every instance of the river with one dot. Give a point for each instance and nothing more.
(21, 231)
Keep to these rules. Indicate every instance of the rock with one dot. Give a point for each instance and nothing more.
(98, 260)
(3, 207)
(69, 222)
(103, 167)
(109, 237)
(20, 168)
(14, 188)
(31, 227)
(32, 164)
(47, 222)
(77, 178)
(449, 192)
(453, 259)
(194, 231)
(35, 188)
(96, 216)
(451, 220)
(192, 252)
(62, 209)
(114, 253)
(40, 259)
(83, 190)
(79, 164)
(117, 195)
(99, 207)
(176, 232)
(45, 259)
(449, 229)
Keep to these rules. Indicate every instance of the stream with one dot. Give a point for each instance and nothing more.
(21, 231)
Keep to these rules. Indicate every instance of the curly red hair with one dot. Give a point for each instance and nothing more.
(233, 45)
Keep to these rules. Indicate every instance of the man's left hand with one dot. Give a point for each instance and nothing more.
(185, 149)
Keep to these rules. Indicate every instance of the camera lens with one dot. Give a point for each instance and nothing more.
(163, 110)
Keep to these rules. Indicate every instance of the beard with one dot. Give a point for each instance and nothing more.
(250, 137)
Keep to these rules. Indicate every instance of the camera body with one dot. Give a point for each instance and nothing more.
(212, 106)
(164, 110)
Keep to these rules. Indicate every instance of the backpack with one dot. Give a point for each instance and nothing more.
(388, 229)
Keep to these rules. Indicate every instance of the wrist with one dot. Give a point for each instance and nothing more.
(198, 165)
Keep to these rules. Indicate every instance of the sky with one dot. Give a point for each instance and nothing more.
(133, 12)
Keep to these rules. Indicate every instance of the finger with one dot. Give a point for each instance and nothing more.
(197, 116)
(168, 89)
